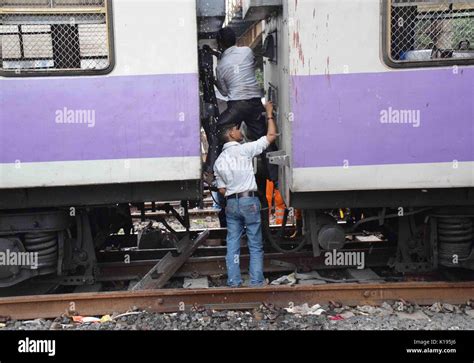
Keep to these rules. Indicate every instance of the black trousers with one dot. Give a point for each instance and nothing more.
(248, 111)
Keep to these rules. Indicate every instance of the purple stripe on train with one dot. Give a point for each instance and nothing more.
(422, 116)
(94, 118)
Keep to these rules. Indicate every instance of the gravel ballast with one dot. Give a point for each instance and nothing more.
(395, 316)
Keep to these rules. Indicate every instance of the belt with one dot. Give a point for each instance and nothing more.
(242, 195)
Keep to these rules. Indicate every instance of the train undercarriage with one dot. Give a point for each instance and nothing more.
(61, 245)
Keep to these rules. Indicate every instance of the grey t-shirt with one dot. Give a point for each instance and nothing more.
(236, 74)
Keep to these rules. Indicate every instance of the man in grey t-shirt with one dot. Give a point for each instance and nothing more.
(237, 81)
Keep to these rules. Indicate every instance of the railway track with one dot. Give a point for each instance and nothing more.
(215, 265)
(112, 268)
(220, 298)
(175, 300)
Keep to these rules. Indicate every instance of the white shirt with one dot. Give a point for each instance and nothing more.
(236, 74)
(234, 168)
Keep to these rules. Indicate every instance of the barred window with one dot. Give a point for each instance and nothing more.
(47, 37)
(429, 32)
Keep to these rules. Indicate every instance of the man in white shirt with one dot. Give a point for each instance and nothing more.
(236, 81)
(236, 180)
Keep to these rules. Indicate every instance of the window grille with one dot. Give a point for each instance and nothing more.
(55, 36)
(430, 31)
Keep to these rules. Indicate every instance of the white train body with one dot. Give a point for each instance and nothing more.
(351, 122)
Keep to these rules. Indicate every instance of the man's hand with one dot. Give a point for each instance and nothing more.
(269, 108)
(208, 49)
(222, 191)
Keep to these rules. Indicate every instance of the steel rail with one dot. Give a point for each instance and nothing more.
(215, 265)
(175, 300)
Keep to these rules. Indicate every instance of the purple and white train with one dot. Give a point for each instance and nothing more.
(373, 121)
(100, 107)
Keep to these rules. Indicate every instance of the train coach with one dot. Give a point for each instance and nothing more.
(99, 106)
(375, 110)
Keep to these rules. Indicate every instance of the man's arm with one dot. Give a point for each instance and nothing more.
(219, 181)
(255, 148)
(272, 131)
(220, 83)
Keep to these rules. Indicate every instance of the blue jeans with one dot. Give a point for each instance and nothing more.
(240, 213)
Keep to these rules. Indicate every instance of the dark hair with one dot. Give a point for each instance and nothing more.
(223, 132)
(226, 38)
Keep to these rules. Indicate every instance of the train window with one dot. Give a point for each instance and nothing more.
(428, 32)
(55, 37)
